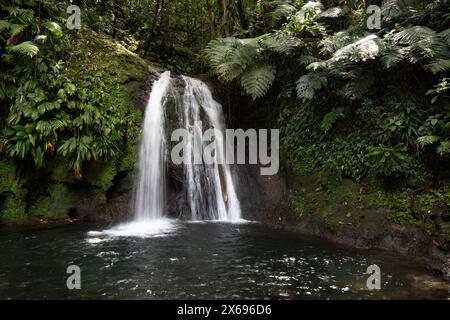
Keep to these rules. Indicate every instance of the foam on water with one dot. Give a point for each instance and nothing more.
(141, 229)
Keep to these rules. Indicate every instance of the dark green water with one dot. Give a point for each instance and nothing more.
(199, 260)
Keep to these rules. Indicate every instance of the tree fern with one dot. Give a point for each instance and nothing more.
(26, 48)
(392, 54)
(54, 28)
(229, 57)
(281, 10)
(444, 148)
(308, 85)
(394, 9)
(331, 44)
(258, 79)
(367, 48)
(427, 140)
(330, 119)
(281, 43)
(334, 12)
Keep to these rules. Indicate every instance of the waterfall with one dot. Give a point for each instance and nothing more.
(208, 189)
(150, 187)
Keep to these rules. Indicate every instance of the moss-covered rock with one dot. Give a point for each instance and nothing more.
(14, 208)
(12, 193)
(99, 65)
(56, 204)
(101, 174)
(60, 171)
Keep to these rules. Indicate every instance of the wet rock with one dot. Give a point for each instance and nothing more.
(259, 195)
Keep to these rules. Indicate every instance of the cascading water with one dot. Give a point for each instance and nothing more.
(150, 187)
(209, 187)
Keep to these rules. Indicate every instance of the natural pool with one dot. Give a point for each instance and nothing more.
(189, 260)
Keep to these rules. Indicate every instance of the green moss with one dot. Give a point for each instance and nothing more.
(12, 192)
(61, 171)
(101, 174)
(56, 204)
(14, 209)
(349, 205)
(8, 180)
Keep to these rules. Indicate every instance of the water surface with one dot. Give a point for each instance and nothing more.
(198, 260)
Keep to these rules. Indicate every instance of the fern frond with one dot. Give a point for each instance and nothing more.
(335, 12)
(444, 148)
(307, 60)
(27, 48)
(258, 79)
(427, 140)
(333, 43)
(229, 57)
(54, 28)
(24, 15)
(392, 54)
(281, 43)
(367, 48)
(308, 84)
(5, 25)
(392, 9)
(422, 41)
(440, 65)
(282, 9)
(446, 36)
(330, 119)
(12, 28)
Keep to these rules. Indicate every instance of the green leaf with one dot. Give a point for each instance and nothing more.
(54, 28)
(26, 48)
(257, 80)
(308, 84)
(427, 140)
(330, 119)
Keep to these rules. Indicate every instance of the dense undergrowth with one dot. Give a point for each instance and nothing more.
(352, 104)
(371, 106)
(67, 117)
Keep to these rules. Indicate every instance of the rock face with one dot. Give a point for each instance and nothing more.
(259, 195)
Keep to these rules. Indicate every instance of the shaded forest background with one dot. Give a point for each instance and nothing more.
(370, 106)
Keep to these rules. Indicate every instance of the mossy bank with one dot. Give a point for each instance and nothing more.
(107, 76)
(359, 215)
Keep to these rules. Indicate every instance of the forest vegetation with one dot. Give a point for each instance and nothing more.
(369, 106)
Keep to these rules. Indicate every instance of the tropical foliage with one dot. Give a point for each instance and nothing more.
(323, 59)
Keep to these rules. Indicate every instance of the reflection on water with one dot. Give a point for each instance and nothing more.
(174, 259)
